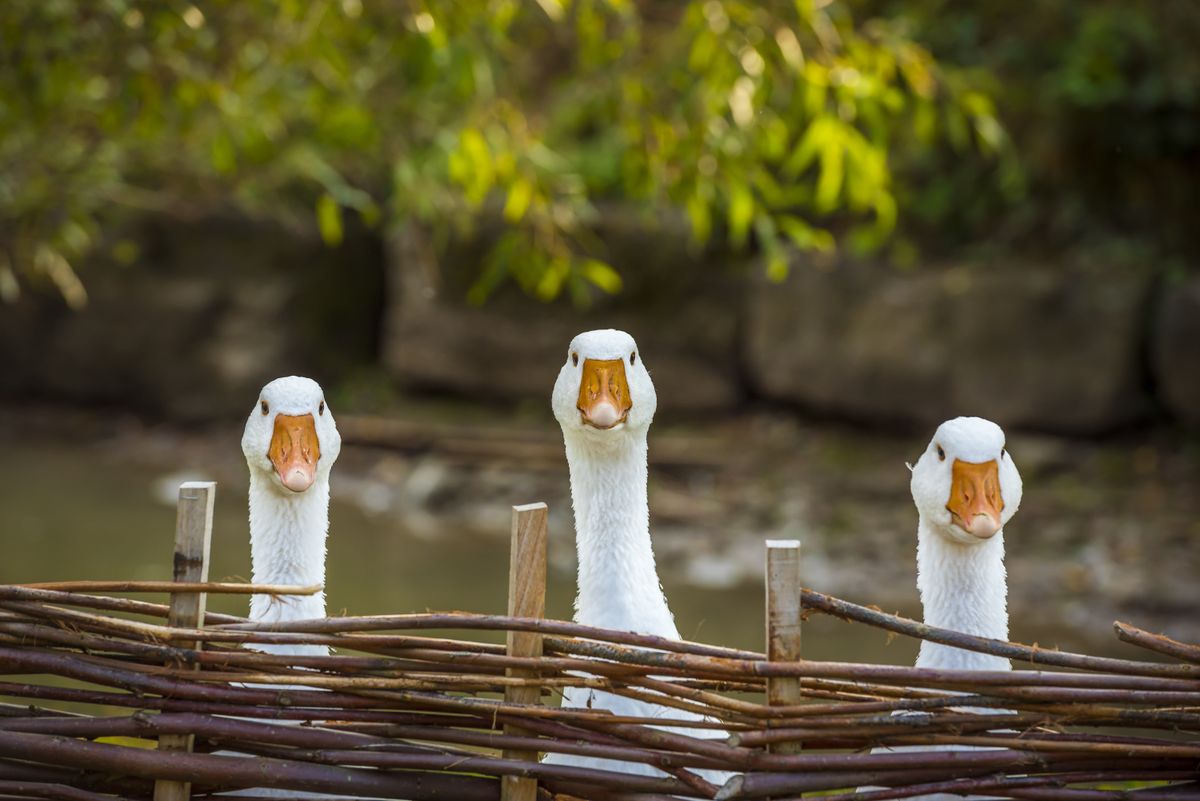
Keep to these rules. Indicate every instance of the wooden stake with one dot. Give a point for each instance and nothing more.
(193, 541)
(783, 625)
(526, 598)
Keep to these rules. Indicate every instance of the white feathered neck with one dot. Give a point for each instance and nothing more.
(965, 588)
(618, 582)
(287, 546)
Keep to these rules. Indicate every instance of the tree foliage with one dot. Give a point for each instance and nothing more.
(768, 123)
(1102, 101)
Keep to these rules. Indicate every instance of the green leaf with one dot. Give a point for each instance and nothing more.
(329, 219)
(741, 214)
(222, 154)
(829, 185)
(777, 265)
(805, 236)
(602, 275)
(552, 278)
(520, 194)
(701, 219)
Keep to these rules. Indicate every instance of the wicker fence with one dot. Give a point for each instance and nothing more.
(178, 704)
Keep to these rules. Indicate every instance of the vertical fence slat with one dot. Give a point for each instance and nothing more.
(526, 598)
(783, 625)
(193, 540)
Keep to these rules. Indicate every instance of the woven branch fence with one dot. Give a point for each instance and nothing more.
(178, 704)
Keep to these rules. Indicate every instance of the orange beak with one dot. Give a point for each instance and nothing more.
(295, 450)
(603, 393)
(975, 503)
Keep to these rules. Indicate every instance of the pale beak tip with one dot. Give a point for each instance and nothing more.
(983, 526)
(297, 480)
(602, 415)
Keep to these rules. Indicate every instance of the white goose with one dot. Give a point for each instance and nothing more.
(290, 443)
(604, 401)
(966, 488)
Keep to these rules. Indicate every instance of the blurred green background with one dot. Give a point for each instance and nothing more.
(829, 223)
(918, 127)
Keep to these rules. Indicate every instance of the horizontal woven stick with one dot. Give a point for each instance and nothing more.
(1132, 716)
(489, 766)
(737, 665)
(18, 660)
(545, 664)
(73, 666)
(969, 733)
(928, 677)
(42, 633)
(60, 792)
(500, 740)
(1026, 653)
(575, 791)
(653, 699)
(812, 599)
(843, 709)
(778, 785)
(1070, 713)
(185, 656)
(19, 593)
(929, 766)
(997, 783)
(1187, 792)
(120, 627)
(435, 683)
(481, 663)
(472, 621)
(97, 782)
(261, 712)
(961, 787)
(1065, 745)
(240, 771)
(215, 587)
(876, 732)
(1157, 642)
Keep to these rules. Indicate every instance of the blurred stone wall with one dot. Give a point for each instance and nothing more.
(215, 307)
(682, 307)
(209, 311)
(1045, 346)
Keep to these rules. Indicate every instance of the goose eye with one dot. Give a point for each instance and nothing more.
(575, 359)
(264, 407)
(941, 454)
(321, 407)
(632, 358)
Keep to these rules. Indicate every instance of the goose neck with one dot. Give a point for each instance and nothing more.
(287, 546)
(618, 580)
(963, 588)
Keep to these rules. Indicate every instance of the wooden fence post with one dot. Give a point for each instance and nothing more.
(783, 626)
(193, 540)
(526, 598)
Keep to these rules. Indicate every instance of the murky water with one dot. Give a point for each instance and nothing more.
(69, 515)
(88, 513)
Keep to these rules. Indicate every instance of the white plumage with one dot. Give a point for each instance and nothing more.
(966, 489)
(960, 575)
(290, 443)
(604, 401)
(288, 527)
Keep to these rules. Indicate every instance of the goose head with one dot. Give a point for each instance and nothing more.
(965, 485)
(290, 439)
(603, 391)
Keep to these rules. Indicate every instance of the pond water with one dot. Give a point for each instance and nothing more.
(75, 512)
(67, 517)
